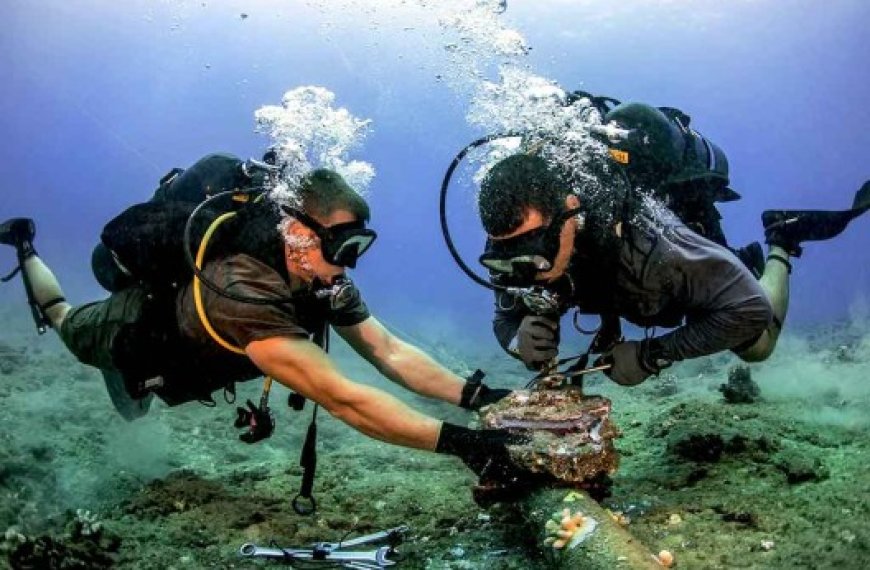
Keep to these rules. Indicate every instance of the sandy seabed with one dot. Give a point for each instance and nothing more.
(778, 483)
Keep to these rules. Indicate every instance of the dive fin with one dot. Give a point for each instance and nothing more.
(129, 407)
(790, 228)
(862, 198)
(17, 231)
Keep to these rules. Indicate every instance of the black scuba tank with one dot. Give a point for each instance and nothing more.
(669, 154)
(208, 176)
(144, 244)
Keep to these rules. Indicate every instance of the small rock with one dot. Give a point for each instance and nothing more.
(741, 388)
(663, 386)
(767, 545)
(799, 468)
(843, 353)
(744, 518)
(701, 447)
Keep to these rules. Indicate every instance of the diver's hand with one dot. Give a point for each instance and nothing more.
(483, 451)
(492, 395)
(632, 362)
(537, 341)
(476, 394)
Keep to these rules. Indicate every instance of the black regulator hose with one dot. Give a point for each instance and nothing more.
(445, 231)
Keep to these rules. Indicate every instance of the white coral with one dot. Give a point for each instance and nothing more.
(88, 523)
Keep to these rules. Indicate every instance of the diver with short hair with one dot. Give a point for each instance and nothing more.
(258, 303)
(634, 260)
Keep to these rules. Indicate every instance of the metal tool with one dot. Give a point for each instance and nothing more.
(333, 553)
(551, 377)
(559, 379)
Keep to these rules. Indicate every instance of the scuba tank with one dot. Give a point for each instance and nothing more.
(144, 244)
(664, 152)
(681, 167)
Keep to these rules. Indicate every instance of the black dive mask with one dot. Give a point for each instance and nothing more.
(341, 244)
(521, 257)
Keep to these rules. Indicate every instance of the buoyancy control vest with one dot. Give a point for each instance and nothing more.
(663, 155)
(144, 244)
(144, 247)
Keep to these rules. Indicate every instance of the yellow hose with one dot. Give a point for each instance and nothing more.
(200, 307)
(197, 286)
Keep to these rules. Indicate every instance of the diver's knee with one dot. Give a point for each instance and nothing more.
(57, 313)
(760, 350)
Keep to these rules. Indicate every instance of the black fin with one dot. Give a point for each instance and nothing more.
(862, 198)
(16, 231)
(790, 228)
(129, 407)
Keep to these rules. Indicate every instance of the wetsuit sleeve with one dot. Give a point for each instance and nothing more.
(725, 305)
(509, 313)
(352, 314)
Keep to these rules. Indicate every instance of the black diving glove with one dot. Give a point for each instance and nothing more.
(476, 394)
(483, 451)
(537, 341)
(633, 361)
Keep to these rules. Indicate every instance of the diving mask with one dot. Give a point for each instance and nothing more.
(522, 257)
(341, 244)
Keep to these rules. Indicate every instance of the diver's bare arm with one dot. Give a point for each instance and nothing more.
(402, 362)
(303, 367)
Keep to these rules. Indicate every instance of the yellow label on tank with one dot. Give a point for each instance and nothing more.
(619, 156)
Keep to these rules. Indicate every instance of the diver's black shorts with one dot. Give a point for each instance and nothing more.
(88, 331)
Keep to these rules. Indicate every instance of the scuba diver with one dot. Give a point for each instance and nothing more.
(647, 267)
(619, 254)
(266, 285)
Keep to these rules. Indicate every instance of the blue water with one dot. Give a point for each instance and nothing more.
(99, 99)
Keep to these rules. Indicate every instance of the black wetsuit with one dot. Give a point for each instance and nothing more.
(660, 274)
